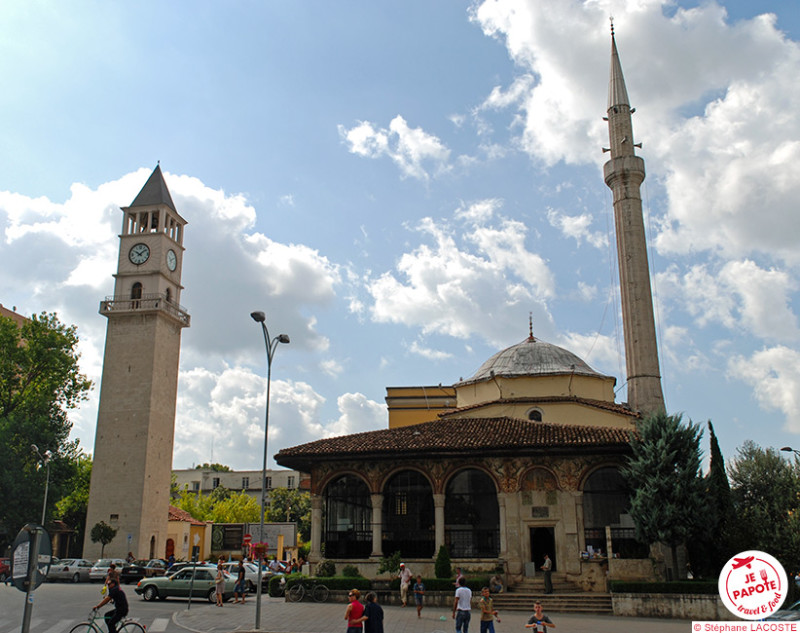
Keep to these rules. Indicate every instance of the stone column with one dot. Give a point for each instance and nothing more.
(377, 524)
(501, 506)
(438, 513)
(315, 555)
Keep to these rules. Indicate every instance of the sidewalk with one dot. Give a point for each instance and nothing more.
(278, 616)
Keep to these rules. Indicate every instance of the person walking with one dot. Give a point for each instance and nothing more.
(354, 612)
(405, 580)
(373, 614)
(539, 621)
(419, 592)
(462, 604)
(488, 613)
(240, 588)
(547, 568)
(219, 584)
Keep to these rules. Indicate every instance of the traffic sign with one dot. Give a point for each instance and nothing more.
(247, 539)
(23, 574)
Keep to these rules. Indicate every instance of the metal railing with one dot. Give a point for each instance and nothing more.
(146, 302)
(472, 542)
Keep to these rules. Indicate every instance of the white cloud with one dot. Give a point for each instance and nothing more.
(426, 352)
(476, 287)
(774, 375)
(577, 227)
(411, 149)
(331, 367)
(357, 413)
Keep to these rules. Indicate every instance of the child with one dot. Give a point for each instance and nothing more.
(539, 620)
(419, 591)
(487, 612)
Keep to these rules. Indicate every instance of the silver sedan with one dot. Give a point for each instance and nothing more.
(71, 569)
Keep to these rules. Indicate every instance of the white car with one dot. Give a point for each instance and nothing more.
(99, 570)
(250, 574)
(71, 569)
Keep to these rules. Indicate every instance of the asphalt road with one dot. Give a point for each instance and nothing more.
(57, 607)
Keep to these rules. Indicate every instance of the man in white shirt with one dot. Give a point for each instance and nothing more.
(405, 580)
(462, 603)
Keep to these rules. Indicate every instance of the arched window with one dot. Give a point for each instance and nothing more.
(535, 415)
(606, 500)
(408, 517)
(471, 515)
(136, 294)
(347, 519)
(169, 295)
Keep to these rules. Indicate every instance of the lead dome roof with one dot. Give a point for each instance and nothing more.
(532, 357)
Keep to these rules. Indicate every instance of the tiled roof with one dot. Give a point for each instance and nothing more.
(176, 514)
(495, 436)
(597, 404)
(154, 192)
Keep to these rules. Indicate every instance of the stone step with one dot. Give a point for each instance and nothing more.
(572, 602)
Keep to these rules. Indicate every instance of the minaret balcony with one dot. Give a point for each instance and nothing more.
(145, 303)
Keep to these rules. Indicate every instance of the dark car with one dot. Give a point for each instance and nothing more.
(5, 569)
(142, 569)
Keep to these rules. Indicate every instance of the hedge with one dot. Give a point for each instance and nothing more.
(445, 584)
(365, 584)
(675, 586)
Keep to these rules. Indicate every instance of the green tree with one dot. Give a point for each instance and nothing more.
(102, 533)
(217, 468)
(291, 505)
(40, 382)
(442, 567)
(239, 507)
(71, 508)
(664, 474)
(764, 490)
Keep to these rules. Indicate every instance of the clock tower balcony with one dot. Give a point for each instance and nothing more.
(150, 303)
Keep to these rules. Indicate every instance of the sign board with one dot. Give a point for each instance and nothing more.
(247, 539)
(271, 533)
(22, 576)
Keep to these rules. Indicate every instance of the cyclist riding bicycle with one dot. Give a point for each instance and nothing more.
(120, 610)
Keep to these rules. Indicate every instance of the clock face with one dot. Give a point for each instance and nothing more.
(139, 253)
(172, 260)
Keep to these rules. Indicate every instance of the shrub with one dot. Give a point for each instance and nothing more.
(390, 564)
(442, 567)
(350, 571)
(326, 568)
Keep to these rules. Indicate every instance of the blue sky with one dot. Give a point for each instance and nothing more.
(398, 185)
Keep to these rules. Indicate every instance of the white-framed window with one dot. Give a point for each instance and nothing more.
(215, 482)
(245, 483)
(269, 483)
(290, 481)
(195, 486)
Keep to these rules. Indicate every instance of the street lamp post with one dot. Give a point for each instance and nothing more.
(270, 344)
(45, 459)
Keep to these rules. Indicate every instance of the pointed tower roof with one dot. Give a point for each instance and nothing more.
(617, 93)
(154, 192)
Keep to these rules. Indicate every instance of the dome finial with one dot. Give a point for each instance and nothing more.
(611, 19)
(530, 327)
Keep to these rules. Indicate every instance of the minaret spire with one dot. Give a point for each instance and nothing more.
(624, 174)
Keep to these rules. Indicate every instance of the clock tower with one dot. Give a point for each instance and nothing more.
(136, 417)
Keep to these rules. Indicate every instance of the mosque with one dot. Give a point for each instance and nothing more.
(520, 460)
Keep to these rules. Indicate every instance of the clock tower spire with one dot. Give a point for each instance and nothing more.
(624, 174)
(136, 417)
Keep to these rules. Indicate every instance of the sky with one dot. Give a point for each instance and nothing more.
(398, 186)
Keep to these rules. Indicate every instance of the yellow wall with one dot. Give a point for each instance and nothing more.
(414, 405)
(591, 387)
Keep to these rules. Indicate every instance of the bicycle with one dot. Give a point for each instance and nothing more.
(318, 591)
(126, 625)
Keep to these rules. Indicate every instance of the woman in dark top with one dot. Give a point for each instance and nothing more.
(373, 615)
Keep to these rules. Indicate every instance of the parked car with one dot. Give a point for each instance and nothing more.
(99, 570)
(790, 613)
(250, 574)
(5, 569)
(197, 578)
(72, 569)
(142, 569)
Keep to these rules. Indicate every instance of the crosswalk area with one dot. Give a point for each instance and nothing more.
(40, 625)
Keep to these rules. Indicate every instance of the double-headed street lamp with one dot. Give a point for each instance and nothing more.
(789, 449)
(271, 344)
(45, 460)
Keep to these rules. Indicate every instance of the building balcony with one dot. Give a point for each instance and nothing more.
(146, 303)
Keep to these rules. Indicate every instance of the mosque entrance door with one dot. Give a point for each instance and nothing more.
(543, 541)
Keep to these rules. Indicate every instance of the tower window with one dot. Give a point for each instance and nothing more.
(169, 294)
(535, 415)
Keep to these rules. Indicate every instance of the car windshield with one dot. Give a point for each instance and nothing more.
(103, 562)
(66, 561)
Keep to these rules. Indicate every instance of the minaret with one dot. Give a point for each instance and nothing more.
(136, 417)
(624, 174)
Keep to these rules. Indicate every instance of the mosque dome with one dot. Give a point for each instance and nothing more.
(531, 357)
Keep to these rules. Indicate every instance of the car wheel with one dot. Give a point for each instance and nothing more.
(212, 595)
(251, 587)
(150, 593)
(76, 577)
